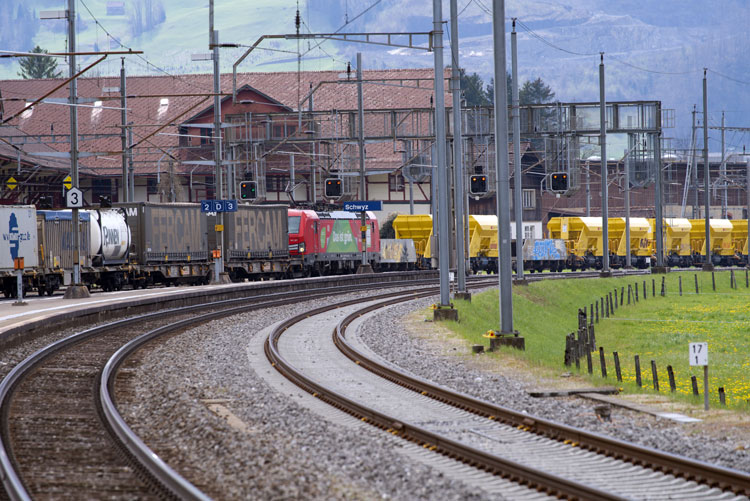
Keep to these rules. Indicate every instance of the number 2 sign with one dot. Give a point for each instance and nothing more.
(698, 353)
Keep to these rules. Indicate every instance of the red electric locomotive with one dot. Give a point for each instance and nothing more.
(327, 243)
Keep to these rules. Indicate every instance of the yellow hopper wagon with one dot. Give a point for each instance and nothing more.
(739, 240)
(418, 228)
(722, 247)
(641, 241)
(677, 237)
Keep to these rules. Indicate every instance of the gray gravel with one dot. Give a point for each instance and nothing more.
(286, 452)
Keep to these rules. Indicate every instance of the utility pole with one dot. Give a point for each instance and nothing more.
(659, 223)
(588, 190)
(694, 173)
(458, 158)
(312, 161)
(628, 259)
(445, 311)
(708, 265)
(213, 39)
(605, 195)
(131, 167)
(518, 182)
(364, 268)
(747, 194)
(124, 134)
(503, 174)
(77, 289)
(723, 172)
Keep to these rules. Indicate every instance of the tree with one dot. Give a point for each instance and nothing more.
(38, 66)
(535, 92)
(386, 229)
(473, 89)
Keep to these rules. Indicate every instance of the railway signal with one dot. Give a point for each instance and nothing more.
(478, 185)
(558, 182)
(248, 190)
(333, 188)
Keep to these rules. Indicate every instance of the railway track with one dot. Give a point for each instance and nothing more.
(547, 456)
(60, 430)
(55, 403)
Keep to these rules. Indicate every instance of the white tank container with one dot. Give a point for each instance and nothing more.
(110, 235)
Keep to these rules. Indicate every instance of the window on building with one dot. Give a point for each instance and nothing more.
(396, 183)
(151, 186)
(276, 184)
(205, 136)
(528, 231)
(528, 199)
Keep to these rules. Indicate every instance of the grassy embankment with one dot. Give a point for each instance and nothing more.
(656, 329)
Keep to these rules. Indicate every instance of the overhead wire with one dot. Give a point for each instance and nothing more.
(139, 56)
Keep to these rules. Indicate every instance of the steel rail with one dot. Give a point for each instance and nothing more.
(691, 469)
(13, 484)
(518, 472)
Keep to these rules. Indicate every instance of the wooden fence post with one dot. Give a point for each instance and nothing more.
(696, 284)
(589, 362)
(655, 375)
(622, 295)
(645, 296)
(597, 312)
(663, 286)
(635, 290)
(638, 370)
(602, 362)
(617, 365)
(694, 382)
(713, 280)
(607, 306)
(670, 373)
(722, 396)
(653, 287)
(680, 282)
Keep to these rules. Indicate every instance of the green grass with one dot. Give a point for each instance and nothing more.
(655, 329)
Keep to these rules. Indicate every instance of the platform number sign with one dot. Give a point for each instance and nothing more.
(74, 198)
(698, 353)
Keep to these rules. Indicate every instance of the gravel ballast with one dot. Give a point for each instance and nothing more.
(283, 450)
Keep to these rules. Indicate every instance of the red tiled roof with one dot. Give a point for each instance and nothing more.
(148, 113)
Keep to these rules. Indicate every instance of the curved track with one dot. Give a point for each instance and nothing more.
(61, 434)
(550, 457)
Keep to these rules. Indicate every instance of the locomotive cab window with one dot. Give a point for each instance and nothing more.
(294, 222)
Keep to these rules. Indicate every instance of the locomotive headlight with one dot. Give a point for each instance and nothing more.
(302, 247)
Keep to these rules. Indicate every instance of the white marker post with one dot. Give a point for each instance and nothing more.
(699, 356)
(18, 264)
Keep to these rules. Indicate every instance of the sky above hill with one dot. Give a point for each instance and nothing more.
(653, 50)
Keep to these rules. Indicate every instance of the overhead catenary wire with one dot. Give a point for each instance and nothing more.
(148, 63)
